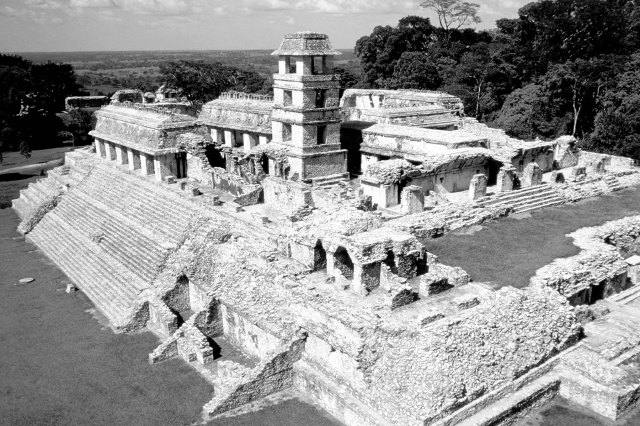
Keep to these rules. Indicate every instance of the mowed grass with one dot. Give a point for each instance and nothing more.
(59, 366)
(509, 251)
(12, 181)
(15, 159)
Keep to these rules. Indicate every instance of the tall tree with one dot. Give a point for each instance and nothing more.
(380, 51)
(453, 14)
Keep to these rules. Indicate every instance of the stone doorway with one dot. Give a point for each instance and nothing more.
(342, 261)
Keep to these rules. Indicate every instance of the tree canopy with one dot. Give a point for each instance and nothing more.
(554, 69)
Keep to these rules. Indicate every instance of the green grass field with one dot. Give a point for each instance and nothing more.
(509, 251)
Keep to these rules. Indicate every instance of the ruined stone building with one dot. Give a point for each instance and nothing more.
(281, 243)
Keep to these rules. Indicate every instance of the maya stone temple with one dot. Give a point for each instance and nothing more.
(281, 242)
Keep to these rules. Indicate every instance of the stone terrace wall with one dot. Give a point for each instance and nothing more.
(598, 264)
(614, 161)
(431, 372)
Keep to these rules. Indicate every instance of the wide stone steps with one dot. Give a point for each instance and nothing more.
(527, 199)
(330, 180)
(613, 183)
(514, 195)
(125, 244)
(103, 280)
(140, 201)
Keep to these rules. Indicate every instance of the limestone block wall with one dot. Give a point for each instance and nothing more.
(610, 161)
(598, 271)
(245, 334)
(285, 195)
(325, 165)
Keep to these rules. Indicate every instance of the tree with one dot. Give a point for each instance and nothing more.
(380, 51)
(617, 124)
(416, 70)
(453, 14)
(530, 112)
(203, 82)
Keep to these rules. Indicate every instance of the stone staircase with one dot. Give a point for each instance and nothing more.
(330, 180)
(38, 191)
(524, 200)
(109, 285)
(613, 183)
(111, 235)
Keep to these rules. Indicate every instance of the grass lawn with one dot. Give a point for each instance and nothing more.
(12, 182)
(15, 159)
(509, 251)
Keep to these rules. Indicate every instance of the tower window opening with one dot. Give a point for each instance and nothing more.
(286, 132)
(321, 134)
(290, 65)
(317, 65)
(288, 98)
(321, 95)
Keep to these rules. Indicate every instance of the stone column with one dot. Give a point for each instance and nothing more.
(478, 187)
(146, 164)
(249, 141)
(229, 139)
(110, 151)
(633, 269)
(263, 140)
(121, 155)
(412, 199)
(131, 160)
(506, 177)
(217, 136)
(160, 167)
(532, 175)
(99, 148)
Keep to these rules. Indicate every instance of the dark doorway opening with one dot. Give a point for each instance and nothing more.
(215, 157)
(342, 261)
(181, 165)
(319, 257)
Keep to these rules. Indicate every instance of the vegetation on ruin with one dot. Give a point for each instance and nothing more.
(560, 67)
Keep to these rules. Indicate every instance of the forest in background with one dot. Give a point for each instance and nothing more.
(560, 67)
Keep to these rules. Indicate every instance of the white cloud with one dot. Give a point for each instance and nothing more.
(90, 4)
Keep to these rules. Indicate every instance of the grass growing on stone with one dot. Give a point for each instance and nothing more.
(509, 251)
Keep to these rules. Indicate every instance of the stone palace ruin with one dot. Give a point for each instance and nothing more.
(281, 243)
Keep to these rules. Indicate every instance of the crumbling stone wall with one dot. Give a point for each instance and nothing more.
(515, 329)
(598, 271)
(286, 195)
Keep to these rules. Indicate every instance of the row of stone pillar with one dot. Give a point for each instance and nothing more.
(228, 137)
(147, 164)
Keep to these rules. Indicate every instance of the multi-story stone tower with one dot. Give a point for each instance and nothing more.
(306, 112)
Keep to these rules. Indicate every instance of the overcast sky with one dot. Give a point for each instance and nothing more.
(71, 25)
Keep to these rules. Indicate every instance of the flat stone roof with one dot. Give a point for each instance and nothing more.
(451, 138)
(146, 116)
(306, 43)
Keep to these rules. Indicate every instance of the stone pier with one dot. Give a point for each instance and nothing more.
(478, 187)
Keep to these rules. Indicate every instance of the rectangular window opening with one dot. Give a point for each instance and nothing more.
(317, 65)
(288, 98)
(321, 95)
(322, 134)
(286, 132)
(291, 66)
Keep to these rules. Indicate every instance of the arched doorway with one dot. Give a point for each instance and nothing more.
(342, 261)
(319, 257)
